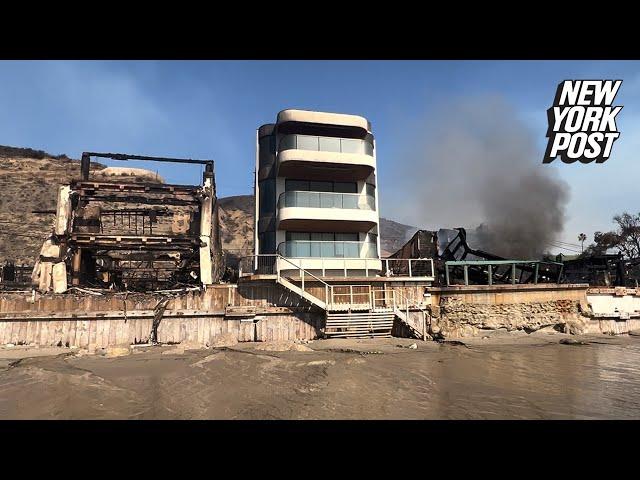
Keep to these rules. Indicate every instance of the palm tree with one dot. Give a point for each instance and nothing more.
(582, 237)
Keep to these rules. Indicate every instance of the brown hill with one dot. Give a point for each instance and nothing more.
(29, 181)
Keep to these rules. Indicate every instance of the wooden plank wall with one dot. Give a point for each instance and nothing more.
(201, 331)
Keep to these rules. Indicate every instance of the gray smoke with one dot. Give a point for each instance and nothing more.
(476, 164)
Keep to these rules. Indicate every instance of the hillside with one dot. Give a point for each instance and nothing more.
(236, 226)
(29, 181)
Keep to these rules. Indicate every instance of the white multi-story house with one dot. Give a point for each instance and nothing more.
(316, 193)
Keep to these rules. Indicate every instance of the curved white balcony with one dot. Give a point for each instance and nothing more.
(328, 211)
(323, 118)
(350, 158)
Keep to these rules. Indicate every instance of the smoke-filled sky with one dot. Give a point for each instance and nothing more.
(211, 110)
(477, 161)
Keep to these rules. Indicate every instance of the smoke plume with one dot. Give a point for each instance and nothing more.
(476, 165)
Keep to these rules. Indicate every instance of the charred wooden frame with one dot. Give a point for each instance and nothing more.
(137, 236)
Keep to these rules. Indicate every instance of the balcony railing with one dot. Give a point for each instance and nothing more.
(327, 249)
(303, 199)
(326, 144)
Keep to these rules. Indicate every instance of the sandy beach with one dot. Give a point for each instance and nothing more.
(500, 376)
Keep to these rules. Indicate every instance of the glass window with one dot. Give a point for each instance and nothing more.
(267, 196)
(329, 200)
(287, 142)
(345, 187)
(301, 199)
(267, 242)
(350, 201)
(329, 144)
(351, 250)
(352, 145)
(313, 199)
(368, 148)
(306, 142)
(267, 150)
(370, 189)
(299, 185)
(347, 237)
(321, 186)
(297, 236)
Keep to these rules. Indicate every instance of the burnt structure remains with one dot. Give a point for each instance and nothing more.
(604, 270)
(132, 236)
(456, 262)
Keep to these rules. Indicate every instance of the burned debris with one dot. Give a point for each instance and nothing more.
(132, 236)
(602, 270)
(15, 277)
(457, 263)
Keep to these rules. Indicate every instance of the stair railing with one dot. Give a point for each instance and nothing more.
(401, 302)
(302, 272)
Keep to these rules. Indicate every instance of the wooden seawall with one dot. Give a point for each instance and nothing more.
(256, 312)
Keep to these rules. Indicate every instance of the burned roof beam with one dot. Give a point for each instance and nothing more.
(85, 162)
(140, 199)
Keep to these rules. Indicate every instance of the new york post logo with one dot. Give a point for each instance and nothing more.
(582, 121)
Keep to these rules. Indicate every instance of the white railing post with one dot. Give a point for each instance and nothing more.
(326, 297)
(424, 326)
(410, 267)
(302, 276)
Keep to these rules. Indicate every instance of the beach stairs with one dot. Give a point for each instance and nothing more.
(359, 324)
(360, 319)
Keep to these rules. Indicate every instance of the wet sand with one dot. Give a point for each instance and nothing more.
(508, 376)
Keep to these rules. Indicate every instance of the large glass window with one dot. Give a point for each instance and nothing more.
(267, 196)
(306, 142)
(326, 244)
(267, 242)
(370, 189)
(267, 150)
(327, 144)
(324, 194)
(316, 186)
(352, 145)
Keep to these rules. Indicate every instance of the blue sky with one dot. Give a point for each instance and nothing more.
(210, 109)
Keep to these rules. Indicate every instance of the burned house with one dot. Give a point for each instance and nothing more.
(602, 270)
(132, 236)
